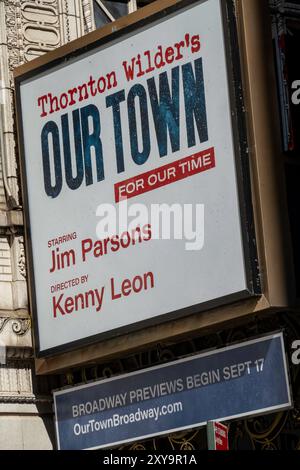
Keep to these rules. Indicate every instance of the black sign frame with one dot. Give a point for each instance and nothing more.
(158, 11)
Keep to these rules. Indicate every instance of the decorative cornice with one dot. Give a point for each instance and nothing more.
(3, 322)
(21, 258)
(20, 326)
(10, 327)
(88, 16)
(22, 399)
(17, 353)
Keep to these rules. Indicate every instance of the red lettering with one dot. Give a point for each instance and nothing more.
(69, 305)
(139, 64)
(158, 59)
(169, 56)
(86, 247)
(129, 69)
(101, 88)
(91, 85)
(112, 286)
(196, 45)
(150, 66)
(72, 92)
(178, 46)
(112, 80)
(53, 103)
(83, 89)
(42, 100)
(126, 287)
(56, 305)
(63, 101)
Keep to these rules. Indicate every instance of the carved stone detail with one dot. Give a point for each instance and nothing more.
(32, 28)
(40, 27)
(18, 353)
(21, 258)
(14, 36)
(3, 322)
(28, 29)
(73, 19)
(16, 378)
(88, 16)
(15, 335)
(5, 262)
(67, 23)
(20, 326)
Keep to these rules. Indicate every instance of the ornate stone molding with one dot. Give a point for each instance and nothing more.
(16, 378)
(3, 322)
(9, 55)
(23, 399)
(72, 20)
(88, 15)
(15, 332)
(21, 258)
(13, 34)
(32, 28)
(28, 29)
(16, 353)
(19, 326)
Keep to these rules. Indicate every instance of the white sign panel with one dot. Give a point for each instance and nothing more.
(134, 128)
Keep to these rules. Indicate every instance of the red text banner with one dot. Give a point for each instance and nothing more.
(165, 175)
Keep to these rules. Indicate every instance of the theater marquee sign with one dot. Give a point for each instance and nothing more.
(138, 121)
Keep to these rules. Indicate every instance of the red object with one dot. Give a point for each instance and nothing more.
(221, 436)
(165, 175)
(217, 434)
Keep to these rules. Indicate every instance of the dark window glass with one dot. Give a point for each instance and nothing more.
(292, 76)
(117, 9)
(286, 38)
(142, 3)
(293, 193)
(100, 17)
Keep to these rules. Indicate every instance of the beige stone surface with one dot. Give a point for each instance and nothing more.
(26, 432)
(28, 29)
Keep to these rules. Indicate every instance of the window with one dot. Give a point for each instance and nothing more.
(106, 11)
(286, 38)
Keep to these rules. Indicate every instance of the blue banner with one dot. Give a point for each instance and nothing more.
(239, 380)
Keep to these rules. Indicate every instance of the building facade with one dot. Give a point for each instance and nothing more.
(29, 29)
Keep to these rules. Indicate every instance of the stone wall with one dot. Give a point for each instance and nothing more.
(27, 30)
